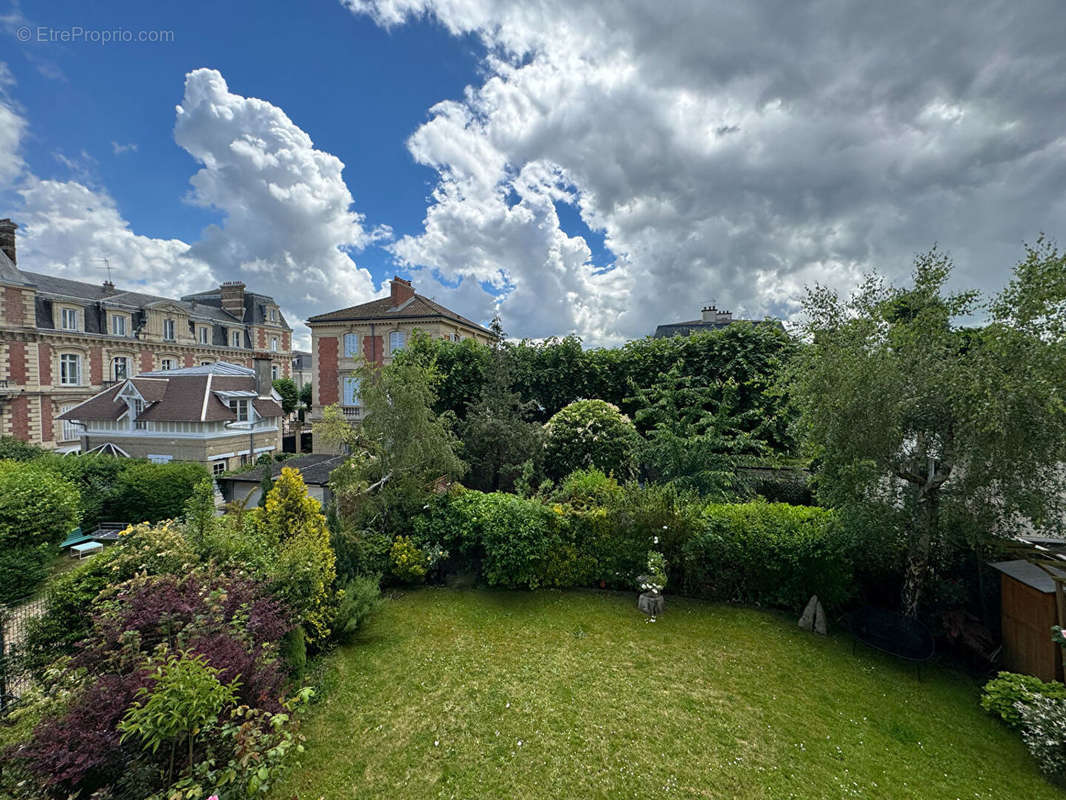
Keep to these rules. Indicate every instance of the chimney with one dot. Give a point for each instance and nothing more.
(712, 314)
(233, 298)
(263, 384)
(401, 291)
(7, 239)
(109, 288)
(709, 313)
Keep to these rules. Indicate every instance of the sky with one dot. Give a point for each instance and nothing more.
(581, 167)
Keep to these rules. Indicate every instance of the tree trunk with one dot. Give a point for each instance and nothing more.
(926, 518)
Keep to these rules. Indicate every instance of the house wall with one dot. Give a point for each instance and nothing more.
(331, 364)
(29, 360)
(184, 448)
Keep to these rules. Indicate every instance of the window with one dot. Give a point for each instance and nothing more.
(160, 459)
(203, 334)
(274, 372)
(71, 430)
(456, 337)
(240, 408)
(166, 363)
(118, 325)
(272, 315)
(397, 340)
(168, 330)
(206, 363)
(69, 370)
(218, 467)
(120, 368)
(70, 319)
(236, 338)
(351, 390)
(273, 344)
(351, 345)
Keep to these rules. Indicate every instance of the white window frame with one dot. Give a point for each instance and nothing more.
(169, 330)
(402, 336)
(126, 371)
(236, 338)
(273, 344)
(65, 378)
(275, 372)
(218, 467)
(163, 458)
(71, 430)
(351, 345)
(350, 391)
(204, 334)
(166, 364)
(71, 314)
(118, 324)
(272, 315)
(239, 406)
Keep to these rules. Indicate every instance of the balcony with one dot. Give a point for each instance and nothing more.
(352, 412)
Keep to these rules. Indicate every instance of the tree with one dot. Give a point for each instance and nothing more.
(265, 485)
(290, 395)
(932, 431)
(200, 513)
(498, 434)
(590, 433)
(399, 449)
(146, 492)
(305, 395)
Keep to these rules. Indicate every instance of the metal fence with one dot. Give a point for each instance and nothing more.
(15, 620)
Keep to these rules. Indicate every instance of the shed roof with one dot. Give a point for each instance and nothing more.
(1028, 573)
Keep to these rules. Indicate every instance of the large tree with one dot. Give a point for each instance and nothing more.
(936, 413)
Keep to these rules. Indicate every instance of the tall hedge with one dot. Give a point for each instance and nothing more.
(146, 492)
(37, 510)
(769, 554)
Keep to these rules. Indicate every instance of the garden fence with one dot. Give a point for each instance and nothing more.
(14, 626)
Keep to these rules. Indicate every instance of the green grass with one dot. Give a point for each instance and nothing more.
(475, 694)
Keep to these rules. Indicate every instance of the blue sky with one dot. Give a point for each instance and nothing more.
(582, 167)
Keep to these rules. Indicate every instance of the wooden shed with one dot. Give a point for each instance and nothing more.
(1027, 609)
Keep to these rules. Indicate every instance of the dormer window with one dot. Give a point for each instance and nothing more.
(203, 334)
(118, 325)
(236, 338)
(273, 315)
(240, 408)
(70, 319)
(168, 330)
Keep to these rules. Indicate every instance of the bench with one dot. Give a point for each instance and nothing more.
(893, 633)
(85, 549)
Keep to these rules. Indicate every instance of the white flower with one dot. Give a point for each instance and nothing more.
(656, 540)
(519, 742)
(436, 742)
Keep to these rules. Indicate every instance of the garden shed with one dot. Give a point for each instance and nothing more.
(1028, 611)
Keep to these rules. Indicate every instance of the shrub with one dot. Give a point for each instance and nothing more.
(1002, 694)
(406, 562)
(36, 506)
(146, 492)
(12, 449)
(22, 570)
(516, 535)
(1044, 733)
(587, 488)
(769, 554)
(590, 433)
(360, 599)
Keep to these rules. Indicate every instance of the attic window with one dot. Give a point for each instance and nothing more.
(240, 408)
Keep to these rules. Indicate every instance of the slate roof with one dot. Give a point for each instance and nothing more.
(315, 469)
(417, 307)
(180, 395)
(698, 326)
(255, 305)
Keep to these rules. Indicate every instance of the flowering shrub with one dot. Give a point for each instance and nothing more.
(407, 563)
(1004, 692)
(590, 433)
(1044, 733)
(655, 579)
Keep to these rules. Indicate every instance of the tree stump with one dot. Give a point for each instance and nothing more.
(651, 604)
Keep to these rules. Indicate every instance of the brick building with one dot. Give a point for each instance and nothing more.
(62, 341)
(341, 341)
(220, 415)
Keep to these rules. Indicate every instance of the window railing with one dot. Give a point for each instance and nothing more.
(352, 412)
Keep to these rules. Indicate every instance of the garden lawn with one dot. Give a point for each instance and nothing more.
(478, 694)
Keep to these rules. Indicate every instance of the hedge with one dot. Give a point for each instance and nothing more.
(768, 554)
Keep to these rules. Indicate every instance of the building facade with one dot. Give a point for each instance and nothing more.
(301, 369)
(220, 415)
(342, 341)
(711, 319)
(62, 341)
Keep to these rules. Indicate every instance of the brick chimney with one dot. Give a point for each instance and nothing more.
(233, 298)
(7, 239)
(401, 291)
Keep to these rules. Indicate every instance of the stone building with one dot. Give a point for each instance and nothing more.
(711, 319)
(62, 341)
(220, 415)
(301, 368)
(341, 341)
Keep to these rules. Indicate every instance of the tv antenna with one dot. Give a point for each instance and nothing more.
(107, 266)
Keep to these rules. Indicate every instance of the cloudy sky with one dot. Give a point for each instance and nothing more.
(587, 167)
